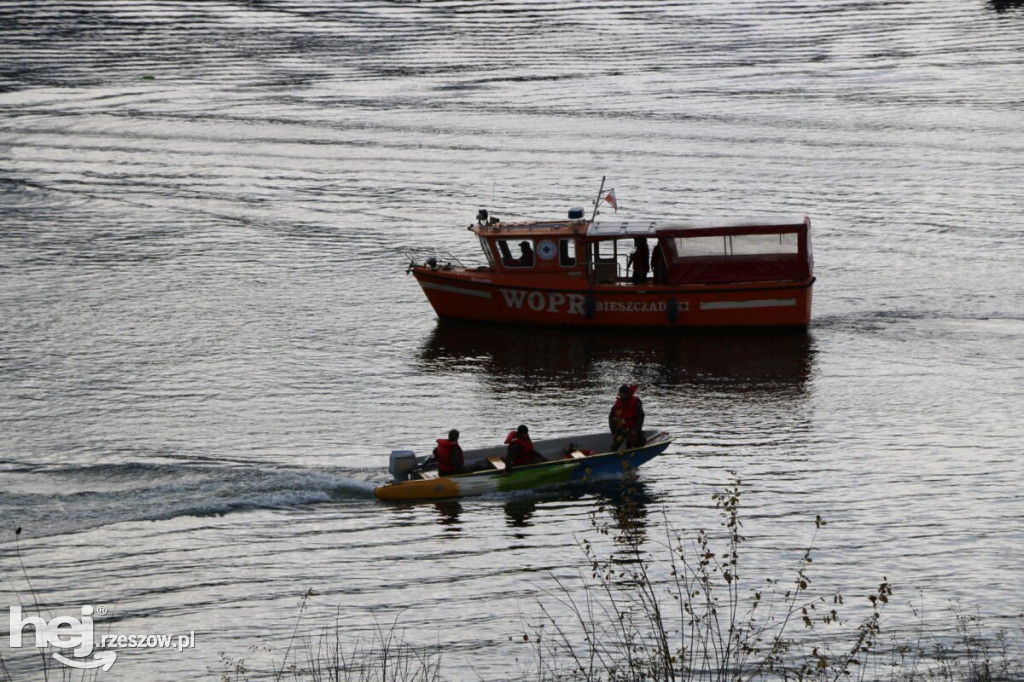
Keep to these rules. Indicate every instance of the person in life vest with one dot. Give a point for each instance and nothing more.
(520, 448)
(626, 419)
(449, 455)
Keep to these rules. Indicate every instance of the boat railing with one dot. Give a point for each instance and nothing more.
(433, 258)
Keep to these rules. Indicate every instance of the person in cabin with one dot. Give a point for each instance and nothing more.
(658, 265)
(626, 419)
(525, 254)
(520, 448)
(639, 260)
(448, 454)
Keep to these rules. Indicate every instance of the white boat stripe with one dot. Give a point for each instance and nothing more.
(456, 290)
(732, 305)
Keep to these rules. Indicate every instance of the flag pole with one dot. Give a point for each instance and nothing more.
(598, 202)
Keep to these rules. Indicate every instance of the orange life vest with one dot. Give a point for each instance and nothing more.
(625, 410)
(449, 457)
(521, 447)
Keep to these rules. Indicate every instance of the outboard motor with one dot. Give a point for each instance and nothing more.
(575, 214)
(481, 216)
(402, 463)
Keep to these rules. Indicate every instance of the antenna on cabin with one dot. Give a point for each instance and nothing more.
(597, 202)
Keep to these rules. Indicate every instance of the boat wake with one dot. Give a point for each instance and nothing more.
(53, 501)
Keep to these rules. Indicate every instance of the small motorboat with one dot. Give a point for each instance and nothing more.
(575, 459)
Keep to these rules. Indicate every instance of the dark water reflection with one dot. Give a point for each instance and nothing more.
(1004, 5)
(448, 512)
(619, 508)
(568, 358)
(519, 511)
(623, 513)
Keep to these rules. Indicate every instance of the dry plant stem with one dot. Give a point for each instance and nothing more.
(35, 600)
(718, 637)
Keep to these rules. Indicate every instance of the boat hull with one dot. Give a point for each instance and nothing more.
(554, 473)
(465, 295)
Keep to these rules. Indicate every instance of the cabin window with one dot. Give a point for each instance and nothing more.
(603, 268)
(693, 247)
(567, 253)
(609, 255)
(516, 253)
(764, 244)
(786, 243)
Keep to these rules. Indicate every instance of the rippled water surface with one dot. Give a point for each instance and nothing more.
(208, 343)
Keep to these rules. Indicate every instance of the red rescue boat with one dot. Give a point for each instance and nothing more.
(598, 272)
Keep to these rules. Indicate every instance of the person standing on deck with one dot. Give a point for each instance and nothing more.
(658, 265)
(626, 419)
(639, 260)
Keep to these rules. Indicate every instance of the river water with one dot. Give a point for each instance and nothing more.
(209, 345)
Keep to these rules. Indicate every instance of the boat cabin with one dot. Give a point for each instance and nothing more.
(693, 253)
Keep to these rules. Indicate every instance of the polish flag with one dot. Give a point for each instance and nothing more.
(610, 198)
